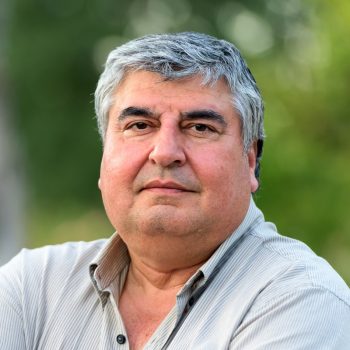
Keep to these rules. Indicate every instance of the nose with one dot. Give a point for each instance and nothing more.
(168, 148)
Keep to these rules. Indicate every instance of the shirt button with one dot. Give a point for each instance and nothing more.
(121, 339)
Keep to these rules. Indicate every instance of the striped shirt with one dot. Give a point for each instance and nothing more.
(259, 290)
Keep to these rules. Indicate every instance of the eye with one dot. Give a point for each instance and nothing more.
(202, 128)
(138, 126)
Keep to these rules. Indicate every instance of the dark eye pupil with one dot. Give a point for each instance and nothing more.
(141, 125)
(201, 127)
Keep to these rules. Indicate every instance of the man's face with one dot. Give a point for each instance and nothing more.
(173, 167)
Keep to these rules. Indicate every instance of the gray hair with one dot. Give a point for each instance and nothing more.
(181, 55)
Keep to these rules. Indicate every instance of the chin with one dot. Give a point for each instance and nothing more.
(161, 221)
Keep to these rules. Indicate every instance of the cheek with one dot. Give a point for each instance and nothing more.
(226, 177)
(213, 175)
(114, 177)
(121, 162)
(115, 190)
(116, 183)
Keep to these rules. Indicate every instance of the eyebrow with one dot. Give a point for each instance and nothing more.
(207, 114)
(134, 111)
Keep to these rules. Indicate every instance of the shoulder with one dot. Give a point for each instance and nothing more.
(48, 265)
(293, 298)
(65, 253)
(293, 266)
(38, 287)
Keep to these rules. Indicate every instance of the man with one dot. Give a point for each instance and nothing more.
(193, 264)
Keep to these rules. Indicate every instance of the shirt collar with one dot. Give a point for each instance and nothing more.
(114, 256)
(108, 264)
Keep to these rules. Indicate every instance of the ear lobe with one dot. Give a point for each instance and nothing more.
(252, 154)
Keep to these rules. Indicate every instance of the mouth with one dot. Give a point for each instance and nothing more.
(166, 187)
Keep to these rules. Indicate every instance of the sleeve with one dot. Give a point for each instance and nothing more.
(11, 315)
(305, 319)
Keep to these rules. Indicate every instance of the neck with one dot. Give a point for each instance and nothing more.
(148, 296)
(151, 279)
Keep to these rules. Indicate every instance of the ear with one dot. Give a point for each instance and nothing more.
(252, 154)
(99, 183)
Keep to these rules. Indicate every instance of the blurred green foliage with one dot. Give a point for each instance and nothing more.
(299, 52)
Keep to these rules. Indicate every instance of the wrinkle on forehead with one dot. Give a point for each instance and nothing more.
(150, 90)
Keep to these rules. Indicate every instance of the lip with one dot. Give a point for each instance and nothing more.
(165, 186)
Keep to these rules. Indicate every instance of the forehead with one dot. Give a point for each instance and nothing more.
(153, 90)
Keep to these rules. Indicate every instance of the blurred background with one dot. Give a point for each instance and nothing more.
(51, 53)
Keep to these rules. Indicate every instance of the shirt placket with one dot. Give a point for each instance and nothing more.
(113, 333)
